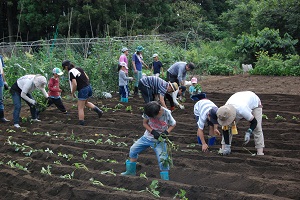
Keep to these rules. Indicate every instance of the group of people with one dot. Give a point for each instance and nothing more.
(157, 118)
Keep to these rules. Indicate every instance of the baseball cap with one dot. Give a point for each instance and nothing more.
(226, 114)
(124, 64)
(124, 49)
(194, 80)
(213, 115)
(57, 71)
(65, 63)
(155, 55)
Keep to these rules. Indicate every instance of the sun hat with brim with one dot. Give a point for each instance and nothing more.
(213, 115)
(123, 64)
(139, 48)
(124, 49)
(57, 71)
(226, 114)
(174, 86)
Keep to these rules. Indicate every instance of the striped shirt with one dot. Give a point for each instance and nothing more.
(158, 85)
(201, 109)
(178, 69)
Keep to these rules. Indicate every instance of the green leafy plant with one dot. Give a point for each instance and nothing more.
(14, 164)
(109, 172)
(295, 118)
(67, 156)
(143, 175)
(119, 106)
(279, 117)
(46, 170)
(85, 155)
(68, 176)
(153, 188)
(80, 166)
(95, 182)
(181, 195)
(264, 116)
(128, 109)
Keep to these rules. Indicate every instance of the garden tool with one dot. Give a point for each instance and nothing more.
(164, 175)
(130, 168)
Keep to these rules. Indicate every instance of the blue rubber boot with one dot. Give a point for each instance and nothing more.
(211, 141)
(199, 140)
(164, 175)
(126, 100)
(130, 168)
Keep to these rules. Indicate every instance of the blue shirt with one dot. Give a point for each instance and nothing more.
(138, 61)
(178, 69)
(156, 67)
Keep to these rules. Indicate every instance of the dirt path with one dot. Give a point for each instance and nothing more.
(62, 158)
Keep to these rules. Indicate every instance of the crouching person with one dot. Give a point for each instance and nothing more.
(22, 89)
(157, 120)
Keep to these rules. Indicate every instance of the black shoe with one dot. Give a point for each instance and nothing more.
(4, 120)
(81, 122)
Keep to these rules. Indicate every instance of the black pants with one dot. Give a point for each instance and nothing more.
(169, 97)
(172, 78)
(147, 93)
(58, 104)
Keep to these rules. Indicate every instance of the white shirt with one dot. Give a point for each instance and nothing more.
(201, 109)
(244, 103)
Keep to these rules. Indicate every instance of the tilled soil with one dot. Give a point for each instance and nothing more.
(58, 159)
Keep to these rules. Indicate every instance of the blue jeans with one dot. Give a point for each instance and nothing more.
(160, 149)
(17, 107)
(137, 77)
(1, 98)
(85, 93)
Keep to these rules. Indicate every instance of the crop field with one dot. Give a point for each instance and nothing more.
(59, 159)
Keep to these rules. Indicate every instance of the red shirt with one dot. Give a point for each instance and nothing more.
(53, 87)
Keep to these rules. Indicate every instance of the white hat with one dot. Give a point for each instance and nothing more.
(155, 55)
(226, 114)
(124, 49)
(40, 81)
(124, 64)
(57, 71)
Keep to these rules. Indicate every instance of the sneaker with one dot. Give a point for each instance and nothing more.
(35, 120)
(17, 126)
(260, 154)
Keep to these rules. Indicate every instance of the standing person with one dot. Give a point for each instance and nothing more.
(247, 105)
(54, 91)
(177, 72)
(23, 88)
(205, 112)
(137, 63)
(157, 120)
(157, 66)
(123, 58)
(80, 81)
(152, 85)
(3, 84)
(123, 82)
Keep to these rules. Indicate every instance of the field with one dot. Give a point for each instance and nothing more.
(58, 159)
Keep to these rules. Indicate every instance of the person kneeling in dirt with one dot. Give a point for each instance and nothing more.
(158, 121)
(205, 111)
(23, 88)
(172, 97)
(241, 105)
(80, 81)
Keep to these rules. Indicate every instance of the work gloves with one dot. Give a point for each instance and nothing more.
(247, 136)
(31, 101)
(157, 134)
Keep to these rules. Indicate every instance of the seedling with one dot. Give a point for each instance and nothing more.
(68, 176)
(95, 182)
(109, 142)
(14, 164)
(128, 109)
(119, 106)
(84, 155)
(46, 171)
(181, 195)
(295, 118)
(80, 166)
(67, 156)
(264, 116)
(49, 151)
(10, 131)
(57, 162)
(153, 187)
(74, 106)
(143, 175)
(105, 108)
(278, 117)
(121, 144)
(109, 172)
(141, 109)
